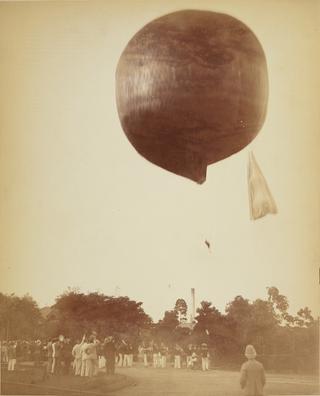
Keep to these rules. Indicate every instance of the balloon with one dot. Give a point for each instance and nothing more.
(191, 90)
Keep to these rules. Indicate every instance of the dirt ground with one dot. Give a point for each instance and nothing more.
(149, 381)
(139, 381)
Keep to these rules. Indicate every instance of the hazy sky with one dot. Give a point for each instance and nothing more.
(79, 207)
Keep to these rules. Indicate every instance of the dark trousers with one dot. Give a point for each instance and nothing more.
(67, 366)
(56, 365)
(37, 359)
(49, 364)
(110, 364)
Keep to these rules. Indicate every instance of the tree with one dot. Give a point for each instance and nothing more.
(207, 313)
(181, 308)
(279, 303)
(165, 328)
(252, 323)
(78, 313)
(304, 317)
(280, 307)
(240, 315)
(20, 317)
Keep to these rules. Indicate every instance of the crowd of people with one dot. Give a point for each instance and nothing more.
(85, 357)
(192, 356)
(61, 356)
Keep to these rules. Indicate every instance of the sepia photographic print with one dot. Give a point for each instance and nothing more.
(159, 197)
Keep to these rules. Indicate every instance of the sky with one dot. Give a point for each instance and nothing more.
(81, 208)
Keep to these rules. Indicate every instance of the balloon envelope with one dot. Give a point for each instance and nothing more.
(192, 89)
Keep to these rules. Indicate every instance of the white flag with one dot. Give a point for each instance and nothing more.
(260, 198)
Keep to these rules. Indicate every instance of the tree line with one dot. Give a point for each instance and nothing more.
(283, 341)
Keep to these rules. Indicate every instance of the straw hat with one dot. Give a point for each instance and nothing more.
(250, 352)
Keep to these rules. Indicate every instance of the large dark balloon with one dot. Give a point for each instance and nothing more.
(192, 89)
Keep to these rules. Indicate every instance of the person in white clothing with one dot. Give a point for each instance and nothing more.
(126, 353)
(156, 355)
(4, 352)
(144, 350)
(84, 357)
(163, 353)
(204, 357)
(12, 356)
(56, 355)
(177, 356)
(77, 355)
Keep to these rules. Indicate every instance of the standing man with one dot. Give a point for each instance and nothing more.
(67, 355)
(145, 350)
(130, 355)
(121, 351)
(109, 351)
(177, 356)
(155, 355)
(4, 352)
(95, 360)
(125, 350)
(12, 356)
(37, 353)
(83, 349)
(252, 375)
(49, 352)
(56, 355)
(163, 353)
(188, 353)
(90, 356)
(204, 357)
(76, 353)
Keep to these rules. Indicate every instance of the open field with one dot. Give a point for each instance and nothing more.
(139, 381)
(212, 383)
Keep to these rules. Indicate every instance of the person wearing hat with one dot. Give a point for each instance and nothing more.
(177, 356)
(4, 352)
(163, 354)
(84, 356)
(130, 355)
(56, 355)
(95, 358)
(12, 356)
(144, 349)
(77, 355)
(204, 357)
(188, 353)
(252, 375)
(125, 352)
(194, 358)
(67, 355)
(90, 357)
(37, 353)
(155, 355)
(49, 358)
(109, 351)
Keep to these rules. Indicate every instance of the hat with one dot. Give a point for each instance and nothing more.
(250, 352)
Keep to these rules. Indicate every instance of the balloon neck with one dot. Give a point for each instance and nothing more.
(196, 167)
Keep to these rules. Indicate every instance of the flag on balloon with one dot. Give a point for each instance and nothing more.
(260, 198)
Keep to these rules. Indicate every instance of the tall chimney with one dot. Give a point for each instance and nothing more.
(193, 305)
